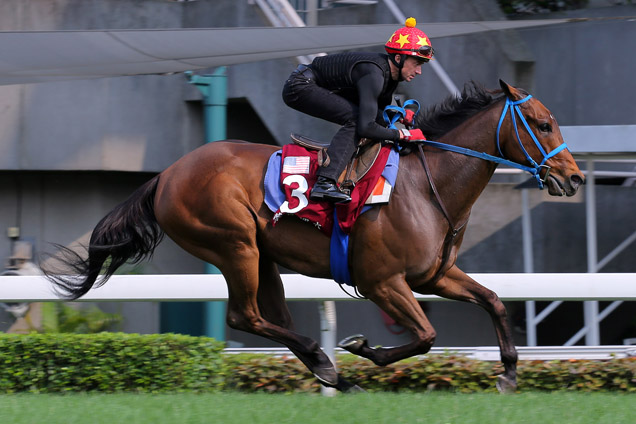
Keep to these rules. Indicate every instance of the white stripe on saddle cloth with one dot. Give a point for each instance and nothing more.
(381, 193)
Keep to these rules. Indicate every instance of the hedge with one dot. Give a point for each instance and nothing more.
(435, 372)
(116, 362)
(109, 362)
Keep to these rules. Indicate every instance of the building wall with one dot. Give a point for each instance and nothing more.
(58, 141)
(581, 70)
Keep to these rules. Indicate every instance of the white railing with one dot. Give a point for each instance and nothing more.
(210, 287)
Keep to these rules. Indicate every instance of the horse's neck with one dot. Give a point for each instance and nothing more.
(460, 179)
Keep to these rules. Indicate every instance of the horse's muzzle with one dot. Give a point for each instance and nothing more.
(567, 186)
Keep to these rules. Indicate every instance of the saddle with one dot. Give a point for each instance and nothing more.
(364, 158)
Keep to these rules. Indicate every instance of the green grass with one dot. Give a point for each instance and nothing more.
(429, 408)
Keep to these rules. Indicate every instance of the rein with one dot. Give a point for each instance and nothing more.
(515, 111)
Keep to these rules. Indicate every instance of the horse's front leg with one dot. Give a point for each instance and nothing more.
(457, 285)
(396, 299)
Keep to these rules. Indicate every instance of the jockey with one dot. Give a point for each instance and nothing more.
(352, 89)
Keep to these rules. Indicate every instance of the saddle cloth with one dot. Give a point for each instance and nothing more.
(291, 173)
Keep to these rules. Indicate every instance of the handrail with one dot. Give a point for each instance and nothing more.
(196, 287)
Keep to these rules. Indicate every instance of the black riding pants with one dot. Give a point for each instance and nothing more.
(301, 92)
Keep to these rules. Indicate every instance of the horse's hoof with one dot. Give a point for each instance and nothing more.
(353, 344)
(327, 376)
(506, 385)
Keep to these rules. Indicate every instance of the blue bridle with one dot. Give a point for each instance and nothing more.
(513, 107)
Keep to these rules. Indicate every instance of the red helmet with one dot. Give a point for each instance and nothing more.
(410, 41)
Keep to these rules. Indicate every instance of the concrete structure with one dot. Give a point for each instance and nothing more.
(71, 151)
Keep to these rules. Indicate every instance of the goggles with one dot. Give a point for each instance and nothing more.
(426, 51)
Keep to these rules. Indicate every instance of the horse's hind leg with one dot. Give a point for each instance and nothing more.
(244, 314)
(271, 303)
(459, 286)
(254, 284)
(271, 295)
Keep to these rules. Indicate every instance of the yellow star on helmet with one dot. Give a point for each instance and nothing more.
(404, 39)
(422, 41)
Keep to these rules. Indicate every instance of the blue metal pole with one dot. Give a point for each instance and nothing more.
(214, 90)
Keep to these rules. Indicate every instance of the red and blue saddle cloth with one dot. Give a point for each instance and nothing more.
(290, 175)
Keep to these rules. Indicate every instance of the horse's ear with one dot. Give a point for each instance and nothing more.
(505, 88)
(510, 92)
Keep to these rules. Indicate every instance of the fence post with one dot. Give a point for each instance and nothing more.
(328, 327)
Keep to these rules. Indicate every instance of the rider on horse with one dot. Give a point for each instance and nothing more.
(352, 89)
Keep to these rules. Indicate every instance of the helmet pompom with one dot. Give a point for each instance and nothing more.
(410, 23)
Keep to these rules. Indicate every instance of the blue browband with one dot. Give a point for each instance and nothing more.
(534, 168)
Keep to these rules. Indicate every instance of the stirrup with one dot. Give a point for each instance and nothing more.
(330, 194)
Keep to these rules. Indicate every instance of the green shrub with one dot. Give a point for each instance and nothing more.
(109, 362)
(271, 374)
(580, 375)
(255, 373)
(116, 362)
(58, 317)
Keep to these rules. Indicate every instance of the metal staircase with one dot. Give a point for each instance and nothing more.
(280, 13)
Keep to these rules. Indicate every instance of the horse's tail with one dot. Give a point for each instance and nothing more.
(128, 233)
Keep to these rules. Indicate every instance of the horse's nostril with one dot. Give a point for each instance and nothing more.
(576, 180)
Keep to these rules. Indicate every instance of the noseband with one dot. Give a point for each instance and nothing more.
(535, 168)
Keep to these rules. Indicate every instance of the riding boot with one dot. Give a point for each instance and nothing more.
(326, 189)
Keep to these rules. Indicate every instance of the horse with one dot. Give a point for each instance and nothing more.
(211, 203)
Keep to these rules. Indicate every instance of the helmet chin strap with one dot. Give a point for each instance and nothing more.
(399, 65)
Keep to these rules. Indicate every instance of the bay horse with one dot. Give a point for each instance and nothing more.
(210, 202)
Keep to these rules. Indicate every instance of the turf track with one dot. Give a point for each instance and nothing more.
(429, 408)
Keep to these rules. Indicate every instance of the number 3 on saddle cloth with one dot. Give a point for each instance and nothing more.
(290, 175)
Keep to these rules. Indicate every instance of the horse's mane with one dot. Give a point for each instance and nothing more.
(437, 120)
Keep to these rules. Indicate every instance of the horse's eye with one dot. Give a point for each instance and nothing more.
(545, 127)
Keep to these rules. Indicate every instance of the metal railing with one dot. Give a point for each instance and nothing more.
(210, 287)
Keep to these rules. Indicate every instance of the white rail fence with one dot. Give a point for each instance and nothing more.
(212, 287)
